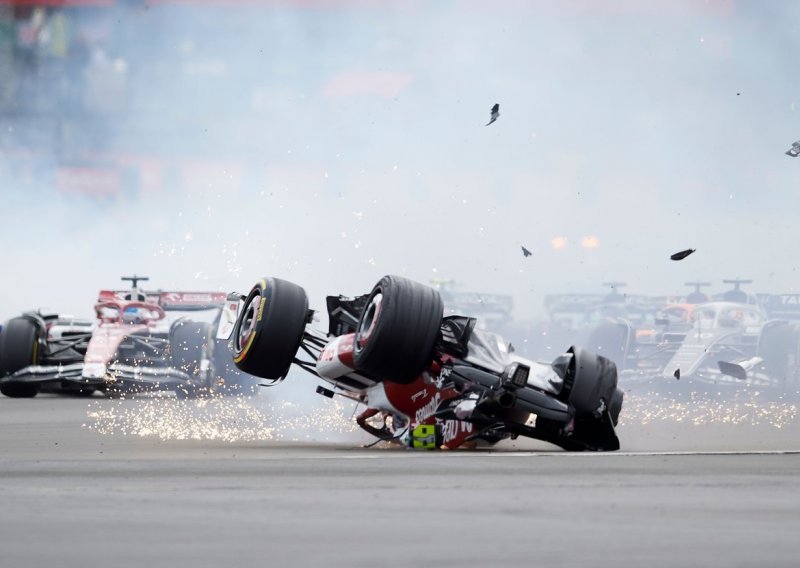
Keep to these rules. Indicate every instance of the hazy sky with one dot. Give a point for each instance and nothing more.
(332, 143)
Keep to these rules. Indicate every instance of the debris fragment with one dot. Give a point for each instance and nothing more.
(525, 252)
(677, 374)
(495, 113)
(794, 151)
(683, 254)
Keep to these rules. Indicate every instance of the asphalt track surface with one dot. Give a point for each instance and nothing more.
(72, 494)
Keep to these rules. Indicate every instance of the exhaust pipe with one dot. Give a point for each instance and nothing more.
(506, 399)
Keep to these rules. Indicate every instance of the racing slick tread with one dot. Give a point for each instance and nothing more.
(591, 378)
(401, 343)
(18, 349)
(278, 332)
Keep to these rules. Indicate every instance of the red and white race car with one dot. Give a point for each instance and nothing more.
(139, 341)
(429, 381)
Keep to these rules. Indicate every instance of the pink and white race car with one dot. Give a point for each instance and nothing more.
(139, 341)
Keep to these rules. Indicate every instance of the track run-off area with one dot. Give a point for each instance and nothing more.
(157, 481)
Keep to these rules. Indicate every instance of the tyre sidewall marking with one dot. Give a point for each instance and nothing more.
(243, 355)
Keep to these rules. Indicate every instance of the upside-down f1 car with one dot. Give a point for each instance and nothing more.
(435, 381)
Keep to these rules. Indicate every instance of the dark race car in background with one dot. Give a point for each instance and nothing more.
(428, 380)
(737, 339)
(139, 341)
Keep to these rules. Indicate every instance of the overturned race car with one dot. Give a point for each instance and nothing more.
(140, 341)
(427, 380)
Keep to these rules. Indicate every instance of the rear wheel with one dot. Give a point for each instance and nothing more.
(589, 379)
(270, 327)
(397, 330)
(19, 348)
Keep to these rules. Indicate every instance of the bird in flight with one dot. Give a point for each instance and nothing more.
(525, 252)
(495, 113)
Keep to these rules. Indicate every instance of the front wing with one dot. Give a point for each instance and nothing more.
(115, 376)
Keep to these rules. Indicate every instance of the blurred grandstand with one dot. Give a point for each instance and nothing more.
(108, 97)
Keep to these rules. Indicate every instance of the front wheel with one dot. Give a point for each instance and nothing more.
(19, 390)
(270, 327)
(397, 330)
(19, 348)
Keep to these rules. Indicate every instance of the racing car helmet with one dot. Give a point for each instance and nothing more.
(134, 315)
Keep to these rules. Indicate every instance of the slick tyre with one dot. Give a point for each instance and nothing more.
(397, 330)
(590, 379)
(19, 348)
(270, 327)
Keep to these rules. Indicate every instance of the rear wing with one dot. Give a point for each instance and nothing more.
(559, 304)
(571, 303)
(184, 301)
(781, 306)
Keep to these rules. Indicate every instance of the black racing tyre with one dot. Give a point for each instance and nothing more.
(615, 406)
(397, 330)
(590, 378)
(19, 390)
(270, 328)
(188, 342)
(612, 341)
(19, 348)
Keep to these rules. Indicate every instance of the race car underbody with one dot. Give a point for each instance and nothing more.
(428, 381)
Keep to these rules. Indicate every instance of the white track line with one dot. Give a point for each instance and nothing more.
(529, 454)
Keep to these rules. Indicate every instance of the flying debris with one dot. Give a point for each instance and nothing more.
(794, 151)
(495, 113)
(683, 254)
(526, 252)
(677, 374)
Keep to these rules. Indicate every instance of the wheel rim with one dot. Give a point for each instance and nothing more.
(245, 331)
(367, 324)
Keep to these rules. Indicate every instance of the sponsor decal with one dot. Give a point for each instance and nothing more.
(421, 394)
(428, 409)
(205, 298)
(452, 429)
(263, 300)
